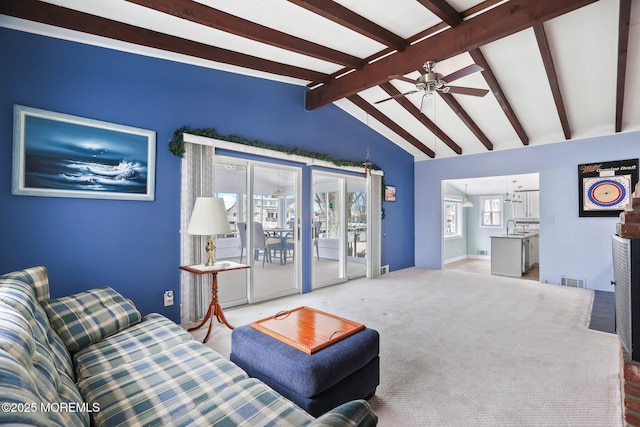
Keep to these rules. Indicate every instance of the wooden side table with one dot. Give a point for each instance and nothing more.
(215, 310)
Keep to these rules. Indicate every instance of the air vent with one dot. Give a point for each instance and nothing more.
(482, 252)
(384, 269)
(573, 283)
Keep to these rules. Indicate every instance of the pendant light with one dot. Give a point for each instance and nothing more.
(466, 203)
(507, 198)
(367, 161)
(278, 192)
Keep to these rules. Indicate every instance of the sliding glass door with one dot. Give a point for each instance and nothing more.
(356, 200)
(328, 230)
(339, 228)
(261, 201)
(276, 230)
(230, 183)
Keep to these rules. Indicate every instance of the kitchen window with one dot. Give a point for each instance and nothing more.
(491, 212)
(453, 218)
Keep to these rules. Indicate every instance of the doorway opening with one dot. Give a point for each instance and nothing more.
(476, 211)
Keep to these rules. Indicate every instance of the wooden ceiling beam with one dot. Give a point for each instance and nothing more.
(547, 60)
(450, 16)
(492, 25)
(347, 18)
(390, 124)
(58, 16)
(443, 10)
(415, 112)
(623, 44)
(492, 81)
(416, 37)
(466, 119)
(213, 18)
(487, 4)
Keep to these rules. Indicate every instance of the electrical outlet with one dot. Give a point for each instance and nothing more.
(168, 298)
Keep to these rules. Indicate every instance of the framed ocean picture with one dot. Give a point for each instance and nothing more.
(60, 155)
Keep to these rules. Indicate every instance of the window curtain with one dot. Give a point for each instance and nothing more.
(374, 226)
(196, 181)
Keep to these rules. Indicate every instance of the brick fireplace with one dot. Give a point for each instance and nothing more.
(630, 389)
(629, 227)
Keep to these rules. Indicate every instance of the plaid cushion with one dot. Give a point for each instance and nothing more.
(20, 387)
(152, 335)
(354, 413)
(21, 290)
(247, 403)
(16, 335)
(154, 390)
(39, 279)
(35, 368)
(18, 294)
(87, 317)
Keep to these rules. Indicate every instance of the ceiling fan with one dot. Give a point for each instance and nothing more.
(431, 82)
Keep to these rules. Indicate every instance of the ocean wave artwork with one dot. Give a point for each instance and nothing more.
(70, 156)
(67, 174)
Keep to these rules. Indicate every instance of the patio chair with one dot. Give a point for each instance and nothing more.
(315, 235)
(261, 243)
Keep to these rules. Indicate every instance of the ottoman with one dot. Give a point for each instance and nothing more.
(346, 370)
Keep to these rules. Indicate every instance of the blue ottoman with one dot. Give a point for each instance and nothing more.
(346, 370)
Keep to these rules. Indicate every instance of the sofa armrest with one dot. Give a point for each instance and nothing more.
(354, 413)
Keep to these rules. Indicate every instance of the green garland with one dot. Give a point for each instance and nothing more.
(176, 146)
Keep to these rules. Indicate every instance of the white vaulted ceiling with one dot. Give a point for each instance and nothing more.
(334, 48)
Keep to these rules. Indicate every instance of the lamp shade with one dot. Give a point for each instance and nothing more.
(209, 217)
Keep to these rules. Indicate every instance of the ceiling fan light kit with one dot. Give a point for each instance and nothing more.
(431, 82)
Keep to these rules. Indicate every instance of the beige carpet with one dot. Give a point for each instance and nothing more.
(466, 349)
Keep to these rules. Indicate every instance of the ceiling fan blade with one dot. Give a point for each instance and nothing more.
(396, 96)
(468, 91)
(473, 68)
(403, 78)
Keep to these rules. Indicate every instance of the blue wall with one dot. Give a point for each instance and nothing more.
(134, 246)
(569, 245)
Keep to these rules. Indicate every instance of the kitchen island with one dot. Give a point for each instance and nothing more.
(510, 253)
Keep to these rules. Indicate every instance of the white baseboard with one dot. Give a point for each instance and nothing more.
(485, 257)
(458, 258)
(462, 257)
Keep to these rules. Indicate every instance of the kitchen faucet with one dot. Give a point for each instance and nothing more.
(514, 226)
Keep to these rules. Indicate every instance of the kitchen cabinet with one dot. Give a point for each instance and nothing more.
(530, 206)
(514, 254)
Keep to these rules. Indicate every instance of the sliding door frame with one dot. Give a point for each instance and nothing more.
(343, 233)
(250, 165)
(239, 153)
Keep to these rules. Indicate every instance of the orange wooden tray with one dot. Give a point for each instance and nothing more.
(307, 329)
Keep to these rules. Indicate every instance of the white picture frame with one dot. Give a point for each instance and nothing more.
(61, 155)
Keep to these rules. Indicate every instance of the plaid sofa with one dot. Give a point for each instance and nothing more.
(92, 359)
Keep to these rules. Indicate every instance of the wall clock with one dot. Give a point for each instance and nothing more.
(606, 192)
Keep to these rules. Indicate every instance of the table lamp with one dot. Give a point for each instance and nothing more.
(209, 217)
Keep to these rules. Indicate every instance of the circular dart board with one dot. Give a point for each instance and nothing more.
(606, 193)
